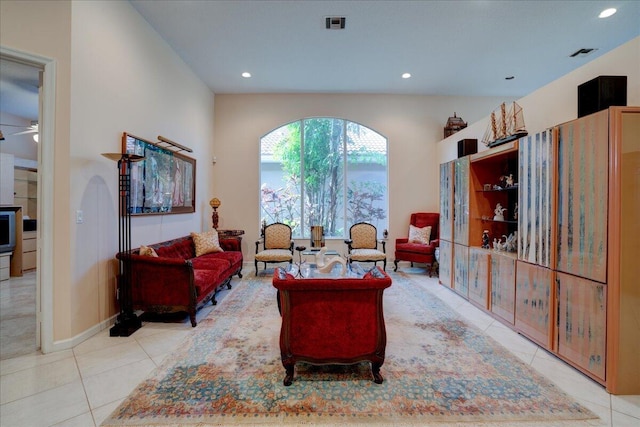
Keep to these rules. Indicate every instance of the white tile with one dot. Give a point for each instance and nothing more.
(571, 381)
(10, 366)
(629, 405)
(511, 340)
(117, 383)
(108, 358)
(100, 341)
(40, 378)
(83, 420)
(624, 420)
(602, 411)
(475, 316)
(46, 408)
(102, 413)
(162, 342)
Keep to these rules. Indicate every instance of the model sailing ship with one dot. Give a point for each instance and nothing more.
(505, 126)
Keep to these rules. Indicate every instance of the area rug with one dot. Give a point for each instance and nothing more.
(438, 369)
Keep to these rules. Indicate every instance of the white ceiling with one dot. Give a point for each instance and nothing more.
(450, 47)
(462, 48)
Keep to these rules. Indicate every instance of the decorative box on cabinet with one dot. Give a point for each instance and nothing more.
(445, 263)
(479, 264)
(534, 302)
(582, 315)
(535, 200)
(461, 269)
(503, 285)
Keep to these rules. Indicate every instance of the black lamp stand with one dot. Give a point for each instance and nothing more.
(127, 321)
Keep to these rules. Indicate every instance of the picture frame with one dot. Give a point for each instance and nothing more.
(164, 182)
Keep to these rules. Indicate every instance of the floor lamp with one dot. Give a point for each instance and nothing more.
(127, 321)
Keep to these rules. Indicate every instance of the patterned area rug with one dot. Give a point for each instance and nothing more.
(438, 369)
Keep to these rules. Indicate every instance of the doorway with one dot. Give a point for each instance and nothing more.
(30, 81)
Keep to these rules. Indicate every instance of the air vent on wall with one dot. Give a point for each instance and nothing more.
(335, 22)
(582, 52)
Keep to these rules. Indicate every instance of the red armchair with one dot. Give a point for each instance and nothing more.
(329, 320)
(419, 252)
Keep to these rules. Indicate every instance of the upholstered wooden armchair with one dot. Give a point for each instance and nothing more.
(363, 244)
(422, 242)
(277, 245)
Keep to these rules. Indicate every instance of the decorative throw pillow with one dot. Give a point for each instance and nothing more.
(206, 242)
(147, 251)
(419, 235)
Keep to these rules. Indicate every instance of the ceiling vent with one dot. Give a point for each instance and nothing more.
(582, 52)
(335, 22)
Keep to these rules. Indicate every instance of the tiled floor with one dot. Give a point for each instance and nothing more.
(82, 386)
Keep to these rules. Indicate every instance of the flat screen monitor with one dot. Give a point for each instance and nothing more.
(7, 231)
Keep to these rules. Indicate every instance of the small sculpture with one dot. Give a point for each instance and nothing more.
(499, 213)
(515, 212)
(328, 267)
(320, 257)
(509, 180)
(485, 239)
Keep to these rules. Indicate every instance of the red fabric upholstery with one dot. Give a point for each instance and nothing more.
(176, 280)
(327, 321)
(416, 252)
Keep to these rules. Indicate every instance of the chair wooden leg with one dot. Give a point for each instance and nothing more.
(395, 263)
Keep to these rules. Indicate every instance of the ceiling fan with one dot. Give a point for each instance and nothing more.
(33, 128)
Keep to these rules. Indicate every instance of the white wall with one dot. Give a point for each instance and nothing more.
(557, 102)
(125, 79)
(413, 125)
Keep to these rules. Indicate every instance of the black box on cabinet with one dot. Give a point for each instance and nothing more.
(467, 146)
(601, 93)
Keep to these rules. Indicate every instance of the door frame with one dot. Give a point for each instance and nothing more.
(46, 124)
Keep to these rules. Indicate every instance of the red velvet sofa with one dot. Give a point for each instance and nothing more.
(176, 280)
(329, 321)
(418, 252)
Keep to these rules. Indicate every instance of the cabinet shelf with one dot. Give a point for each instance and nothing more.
(499, 222)
(502, 190)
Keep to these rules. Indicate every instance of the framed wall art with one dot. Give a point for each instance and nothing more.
(162, 183)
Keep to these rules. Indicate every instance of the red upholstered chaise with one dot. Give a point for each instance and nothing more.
(176, 280)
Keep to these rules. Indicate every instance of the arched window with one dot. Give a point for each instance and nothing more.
(323, 171)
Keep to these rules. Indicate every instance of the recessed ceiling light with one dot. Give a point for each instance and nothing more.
(246, 75)
(607, 12)
(510, 77)
(406, 75)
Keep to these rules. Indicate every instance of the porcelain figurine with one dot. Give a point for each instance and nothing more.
(485, 239)
(499, 213)
(509, 180)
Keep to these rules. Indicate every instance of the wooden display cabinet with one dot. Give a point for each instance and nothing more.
(445, 265)
(479, 276)
(486, 170)
(582, 323)
(535, 300)
(461, 201)
(503, 286)
(461, 269)
(446, 202)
